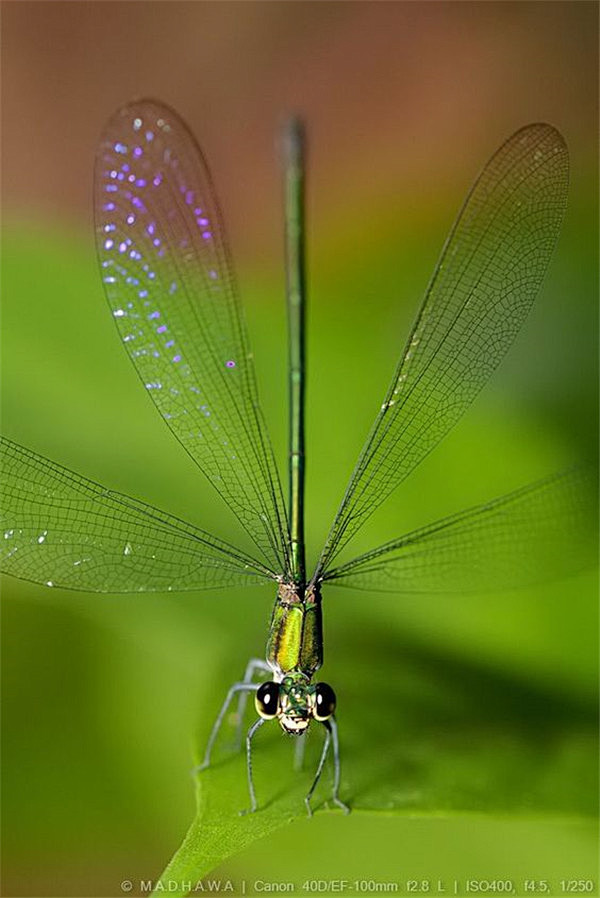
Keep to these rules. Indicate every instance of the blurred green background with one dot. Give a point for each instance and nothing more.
(490, 701)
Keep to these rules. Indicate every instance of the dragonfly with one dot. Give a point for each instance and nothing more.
(168, 277)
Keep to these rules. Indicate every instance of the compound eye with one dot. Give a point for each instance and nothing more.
(324, 701)
(266, 700)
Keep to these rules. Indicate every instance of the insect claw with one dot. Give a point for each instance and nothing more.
(308, 807)
(246, 811)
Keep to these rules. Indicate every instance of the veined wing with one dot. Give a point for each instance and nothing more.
(484, 284)
(61, 529)
(540, 532)
(170, 285)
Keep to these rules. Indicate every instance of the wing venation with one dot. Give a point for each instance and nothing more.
(169, 282)
(484, 284)
(541, 532)
(60, 529)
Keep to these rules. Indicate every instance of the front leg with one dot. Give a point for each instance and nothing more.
(254, 664)
(253, 805)
(331, 724)
(319, 770)
(299, 749)
(237, 688)
(331, 728)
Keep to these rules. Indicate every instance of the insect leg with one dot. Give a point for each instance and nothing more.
(254, 664)
(331, 725)
(236, 688)
(299, 747)
(319, 770)
(258, 723)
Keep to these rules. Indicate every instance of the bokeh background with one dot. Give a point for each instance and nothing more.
(106, 699)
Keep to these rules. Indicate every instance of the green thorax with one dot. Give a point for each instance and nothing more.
(296, 635)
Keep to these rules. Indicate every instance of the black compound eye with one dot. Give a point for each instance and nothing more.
(266, 700)
(324, 701)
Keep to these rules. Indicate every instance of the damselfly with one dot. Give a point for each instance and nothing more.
(167, 275)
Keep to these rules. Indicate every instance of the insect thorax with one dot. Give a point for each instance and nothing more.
(296, 634)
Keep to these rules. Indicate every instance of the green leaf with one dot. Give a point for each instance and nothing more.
(446, 705)
(422, 732)
(219, 830)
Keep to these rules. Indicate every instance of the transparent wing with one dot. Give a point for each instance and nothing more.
(541, 532)
(489, 273)
(61, 529)
(170, 285)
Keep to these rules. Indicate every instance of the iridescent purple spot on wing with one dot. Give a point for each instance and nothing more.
(168, 280)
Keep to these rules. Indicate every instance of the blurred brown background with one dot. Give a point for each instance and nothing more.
(391, 90)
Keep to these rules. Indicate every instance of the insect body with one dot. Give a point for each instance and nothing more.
(296, 634)
(294, 654)
(166, 271)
